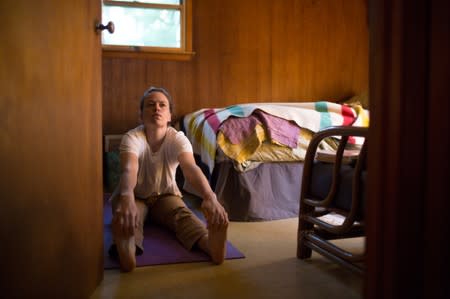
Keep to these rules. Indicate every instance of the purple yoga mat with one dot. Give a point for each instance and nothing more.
(160, 246)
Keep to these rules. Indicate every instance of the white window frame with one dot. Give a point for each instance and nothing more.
(184, 52)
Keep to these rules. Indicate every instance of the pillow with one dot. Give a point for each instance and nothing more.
(111, 170)
(361, 99)
(111, 162)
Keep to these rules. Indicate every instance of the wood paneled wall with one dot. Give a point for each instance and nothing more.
(250, 51)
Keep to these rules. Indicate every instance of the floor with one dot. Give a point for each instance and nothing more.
(270, 270)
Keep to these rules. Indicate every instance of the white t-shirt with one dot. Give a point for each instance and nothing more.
(156, 173)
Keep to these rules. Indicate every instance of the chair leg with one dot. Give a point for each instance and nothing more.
(303, 251)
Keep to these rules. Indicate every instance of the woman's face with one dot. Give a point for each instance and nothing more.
(156, 110)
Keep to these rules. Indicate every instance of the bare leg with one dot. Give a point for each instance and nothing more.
(214, 243)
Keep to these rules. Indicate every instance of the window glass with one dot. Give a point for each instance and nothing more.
(177, 2)
(152, 27)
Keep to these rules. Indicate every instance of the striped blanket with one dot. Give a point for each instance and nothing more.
(202, 126)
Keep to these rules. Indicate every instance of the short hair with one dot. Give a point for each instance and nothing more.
(156, 89)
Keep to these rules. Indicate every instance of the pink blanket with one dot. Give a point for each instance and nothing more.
(278, 129)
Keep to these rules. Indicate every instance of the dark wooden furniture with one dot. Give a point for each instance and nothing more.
(338, 188)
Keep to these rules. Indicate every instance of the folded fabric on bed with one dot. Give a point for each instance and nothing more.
(279, 130)
(240, 151)
(258, 147)
(239, 129)
(203, 125)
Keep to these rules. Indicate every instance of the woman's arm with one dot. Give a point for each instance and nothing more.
(125, 214)
(213, 210)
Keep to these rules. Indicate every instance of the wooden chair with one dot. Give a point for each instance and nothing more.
(337, 188)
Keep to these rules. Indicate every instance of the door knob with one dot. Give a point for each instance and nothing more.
(109, 27)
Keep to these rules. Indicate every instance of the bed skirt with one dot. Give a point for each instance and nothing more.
(269, 192)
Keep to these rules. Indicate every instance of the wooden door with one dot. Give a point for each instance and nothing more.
(408, 197)
(50, 155)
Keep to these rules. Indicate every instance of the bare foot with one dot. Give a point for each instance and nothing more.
(217, 239)
(127, 254)
(126, 249)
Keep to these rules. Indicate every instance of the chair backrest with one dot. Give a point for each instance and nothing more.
(324, 186)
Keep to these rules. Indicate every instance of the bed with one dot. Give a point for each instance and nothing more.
(253, 153)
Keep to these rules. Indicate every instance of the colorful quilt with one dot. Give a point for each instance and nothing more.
(203, 125)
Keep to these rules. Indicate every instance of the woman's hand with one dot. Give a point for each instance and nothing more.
(125, 217)
(216, 216)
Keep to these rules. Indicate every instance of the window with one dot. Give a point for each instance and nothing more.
(155, 28)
